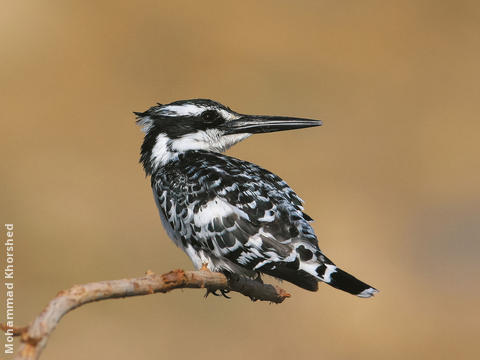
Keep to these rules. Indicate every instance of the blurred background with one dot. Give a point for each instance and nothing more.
(392, 179)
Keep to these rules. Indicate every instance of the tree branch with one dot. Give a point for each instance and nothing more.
(34, 337)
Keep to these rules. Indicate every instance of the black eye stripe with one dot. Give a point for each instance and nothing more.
(177, 126)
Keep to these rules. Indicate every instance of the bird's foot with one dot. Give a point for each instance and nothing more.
(213, 292)
(204, 267)
(223, 292)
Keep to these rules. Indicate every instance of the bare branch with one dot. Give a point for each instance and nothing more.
(35, 337)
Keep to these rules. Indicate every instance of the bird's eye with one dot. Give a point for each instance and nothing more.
(209, 115)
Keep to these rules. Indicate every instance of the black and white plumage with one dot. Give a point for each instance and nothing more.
(229, 214)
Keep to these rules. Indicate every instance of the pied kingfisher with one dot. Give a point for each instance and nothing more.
(227, 214)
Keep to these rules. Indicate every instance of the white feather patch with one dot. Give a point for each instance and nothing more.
(182, 110)
(327, 277)
(160, 154)
(216, 208)
(198, 258)
(309, 267)
(211, 139)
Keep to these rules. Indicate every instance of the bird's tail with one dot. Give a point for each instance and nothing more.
(336, 277)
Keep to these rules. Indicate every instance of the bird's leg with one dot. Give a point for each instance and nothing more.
(209, 291)
(223, 292)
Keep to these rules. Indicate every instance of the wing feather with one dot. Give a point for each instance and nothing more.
(234, 210)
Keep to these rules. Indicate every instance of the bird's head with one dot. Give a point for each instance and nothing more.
(201, 124)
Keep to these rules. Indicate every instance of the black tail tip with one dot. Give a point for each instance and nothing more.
(346, 282)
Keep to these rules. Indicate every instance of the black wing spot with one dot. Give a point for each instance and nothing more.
(294, 265)
(229, 239)
(220, 241)
(210, 227)
(293, 231)
(234, 255)
(210, 244)
(304, 253)
(306, 217)
(321, 270)
(229, 221)
(217, 225)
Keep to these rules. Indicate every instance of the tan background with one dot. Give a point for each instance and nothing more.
(392, 178)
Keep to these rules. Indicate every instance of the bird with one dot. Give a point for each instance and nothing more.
(229, 215)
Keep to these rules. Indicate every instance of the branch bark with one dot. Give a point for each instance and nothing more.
(35, 336)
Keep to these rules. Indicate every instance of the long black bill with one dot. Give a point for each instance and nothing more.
(254, 124)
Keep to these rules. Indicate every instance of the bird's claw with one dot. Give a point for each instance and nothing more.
(224, 293)
(214, 293)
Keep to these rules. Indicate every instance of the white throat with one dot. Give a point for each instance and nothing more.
(167, 149)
